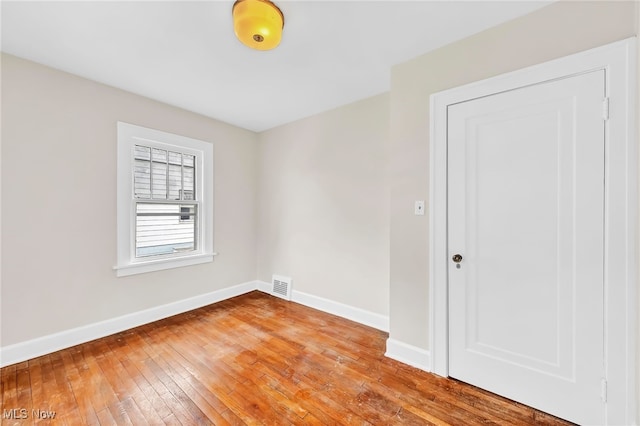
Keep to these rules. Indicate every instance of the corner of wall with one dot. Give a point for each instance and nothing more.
(408, 354)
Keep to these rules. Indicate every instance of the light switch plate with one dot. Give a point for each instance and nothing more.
(419, 208)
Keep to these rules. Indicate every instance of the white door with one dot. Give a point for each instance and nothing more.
(525, 213)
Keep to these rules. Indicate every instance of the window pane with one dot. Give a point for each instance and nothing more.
(142, 152)
(142, 179)
(159, 155)
(175, 158)
(165, 229)
(175, 181)
(188, 182)
(163, 175)
(159, 180)
(187, 213)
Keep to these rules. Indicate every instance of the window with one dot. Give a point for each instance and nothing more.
(187, 214)
(165, 200)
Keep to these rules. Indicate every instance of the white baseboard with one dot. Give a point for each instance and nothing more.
(29, 349)
(408, 354)
(264, 287)
(371, 319)
(23, 351)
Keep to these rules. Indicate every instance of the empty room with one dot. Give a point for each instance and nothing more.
(359, 212)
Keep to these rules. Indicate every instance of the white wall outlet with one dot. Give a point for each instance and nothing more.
(419, 208)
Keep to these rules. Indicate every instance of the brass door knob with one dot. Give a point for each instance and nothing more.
(457, 258)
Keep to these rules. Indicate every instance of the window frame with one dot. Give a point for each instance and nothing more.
(130, 135)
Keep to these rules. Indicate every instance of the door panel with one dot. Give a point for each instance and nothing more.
(526, 212)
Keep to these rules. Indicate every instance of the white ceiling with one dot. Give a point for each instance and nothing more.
(186, 54)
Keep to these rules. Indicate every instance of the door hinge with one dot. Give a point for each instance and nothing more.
(603, 390)
(605, 108)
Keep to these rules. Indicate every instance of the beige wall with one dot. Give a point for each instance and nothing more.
(323, 204)
(327, 200)
(557, 30)
(59, 203)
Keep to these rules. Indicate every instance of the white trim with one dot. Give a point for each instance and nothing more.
(54, 342)
(408, 354)
(23, 351)
(264, 287)
(128, 136)
(621, 211)
(161, 264)
(371, 319)
(368, 318)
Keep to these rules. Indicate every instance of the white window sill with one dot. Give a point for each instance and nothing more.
(160, 264)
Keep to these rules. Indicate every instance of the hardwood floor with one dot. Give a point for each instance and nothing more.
(254, 359)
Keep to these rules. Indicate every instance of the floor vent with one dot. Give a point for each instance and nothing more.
(281, 287)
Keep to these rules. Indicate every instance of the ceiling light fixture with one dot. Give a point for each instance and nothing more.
(258, 23)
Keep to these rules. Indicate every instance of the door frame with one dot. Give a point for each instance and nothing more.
(621, 211)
